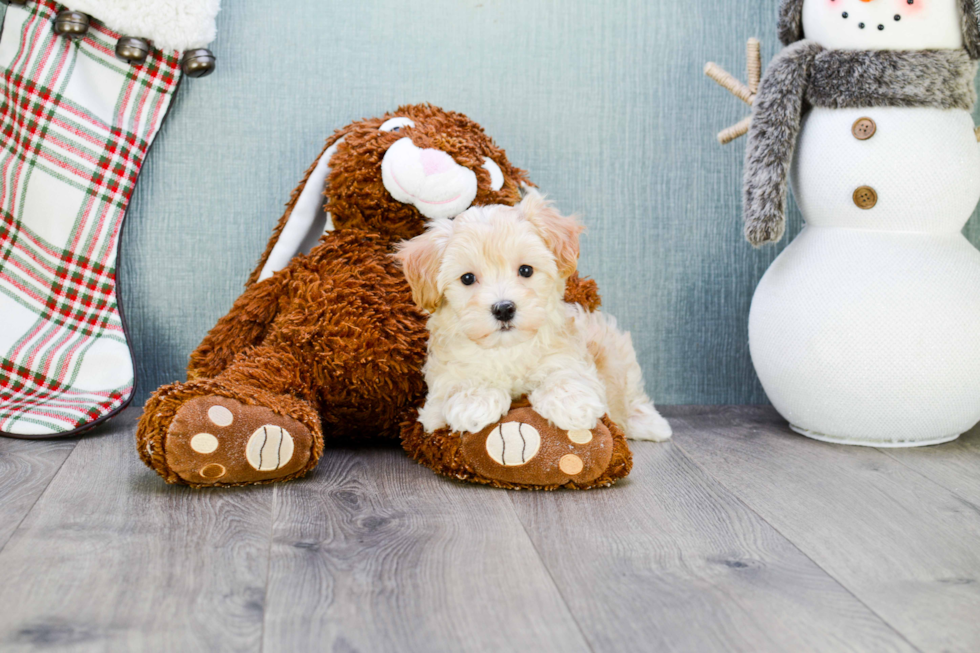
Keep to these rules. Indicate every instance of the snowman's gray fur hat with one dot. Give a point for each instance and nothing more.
(791, 24)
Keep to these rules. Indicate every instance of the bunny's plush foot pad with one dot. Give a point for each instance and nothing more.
(214, 440)
(524, 451)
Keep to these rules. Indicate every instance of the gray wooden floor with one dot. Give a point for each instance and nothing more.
(736, 536)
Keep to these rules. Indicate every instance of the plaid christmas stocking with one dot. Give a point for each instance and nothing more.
(76, 122)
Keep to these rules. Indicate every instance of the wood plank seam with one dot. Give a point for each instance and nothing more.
(551, 576)
(268, 566)
(40, 494)
(928, 478)
(749, 507)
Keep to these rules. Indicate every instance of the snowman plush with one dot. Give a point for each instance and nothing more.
(866, 329)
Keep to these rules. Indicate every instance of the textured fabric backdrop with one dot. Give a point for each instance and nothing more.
(604, 102)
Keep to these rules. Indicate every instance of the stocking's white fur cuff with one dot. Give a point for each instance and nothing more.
(169, 24)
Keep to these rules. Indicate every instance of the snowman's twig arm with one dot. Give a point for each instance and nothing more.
(976, 131)
(753, 55)
(739, 129)
(728, 82)
(744, 92)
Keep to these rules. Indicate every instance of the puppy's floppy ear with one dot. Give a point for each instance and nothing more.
(559, 232)
(421, 258)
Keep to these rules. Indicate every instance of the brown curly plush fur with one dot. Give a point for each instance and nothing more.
(334, 340)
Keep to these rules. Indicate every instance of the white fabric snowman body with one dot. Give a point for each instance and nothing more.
(866, 329)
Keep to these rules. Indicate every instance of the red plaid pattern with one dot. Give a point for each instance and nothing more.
(76, 124)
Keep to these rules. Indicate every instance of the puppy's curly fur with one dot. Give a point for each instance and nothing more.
(494, 281)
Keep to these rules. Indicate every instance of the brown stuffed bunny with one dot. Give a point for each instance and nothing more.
(326, 341)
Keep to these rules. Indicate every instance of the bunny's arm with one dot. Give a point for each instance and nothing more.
(244, 326)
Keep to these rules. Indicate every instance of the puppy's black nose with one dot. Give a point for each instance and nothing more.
(504, 310)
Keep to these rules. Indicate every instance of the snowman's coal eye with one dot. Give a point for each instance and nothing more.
(395, 124)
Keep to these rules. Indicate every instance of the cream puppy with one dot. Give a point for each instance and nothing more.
(493, 280)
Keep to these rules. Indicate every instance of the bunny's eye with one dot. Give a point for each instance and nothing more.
(496, 174)
(395, 124)
(468, 279)
(525, 271)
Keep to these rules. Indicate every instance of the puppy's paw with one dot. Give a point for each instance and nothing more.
(569, 406)
(474, 409)
(645, 423)
(430, 416)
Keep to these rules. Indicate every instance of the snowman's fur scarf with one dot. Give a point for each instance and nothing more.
(845, 79)
(776, 116)
(168, 24)
(574, 365)
(791, 21)
(791, 24)
(804, 74)
(971, 27)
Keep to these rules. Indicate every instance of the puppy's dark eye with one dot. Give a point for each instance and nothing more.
(525, 270)
(468, 279)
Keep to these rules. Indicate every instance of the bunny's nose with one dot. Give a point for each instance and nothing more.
(435, 161)
(504, 310)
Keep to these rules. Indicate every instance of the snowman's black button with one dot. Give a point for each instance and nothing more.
(864, 128)
(865, 197)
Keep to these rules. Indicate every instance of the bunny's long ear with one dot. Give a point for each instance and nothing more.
(559, 232)
(305, 219)
(421, 259)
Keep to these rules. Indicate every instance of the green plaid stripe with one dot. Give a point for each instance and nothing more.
(76, 124)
